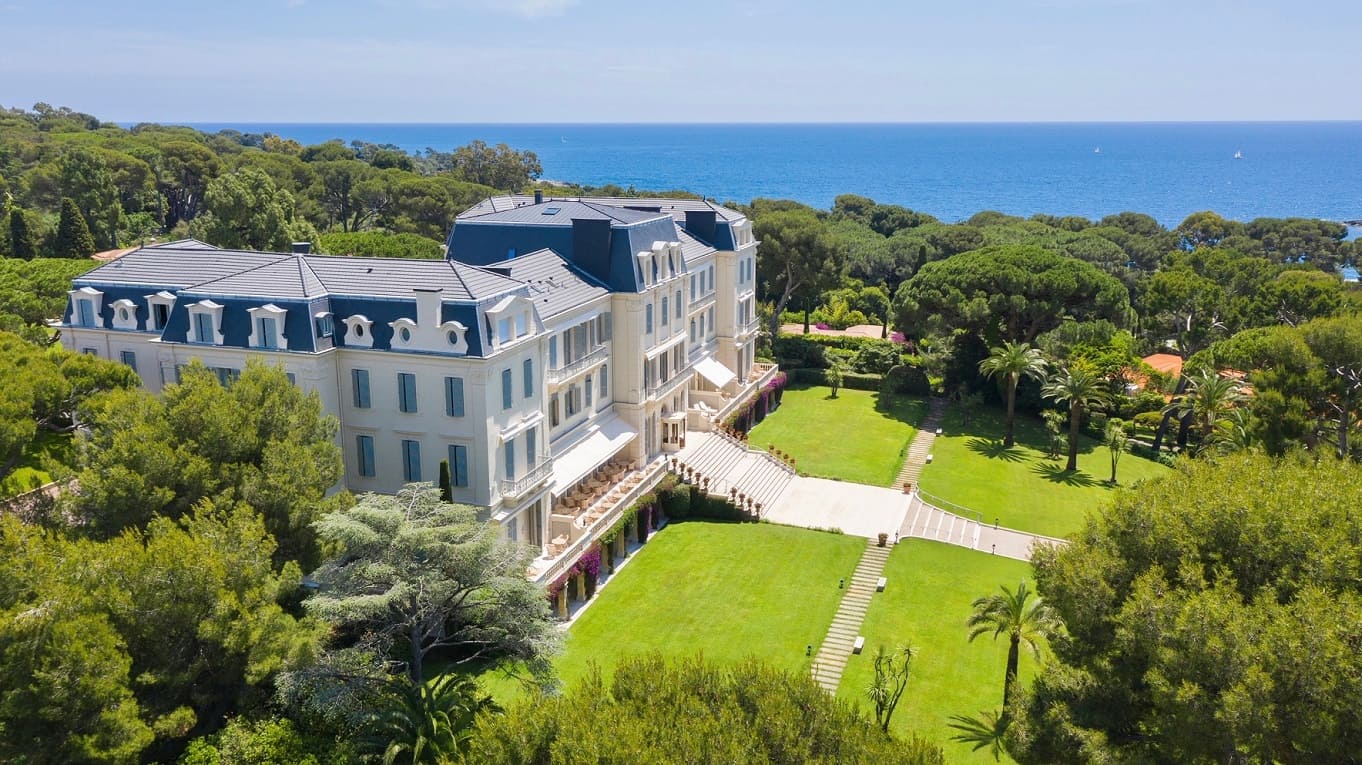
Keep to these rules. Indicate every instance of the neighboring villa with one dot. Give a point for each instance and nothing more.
(556, 357)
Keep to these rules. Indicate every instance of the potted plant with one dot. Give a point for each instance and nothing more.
(884, 539)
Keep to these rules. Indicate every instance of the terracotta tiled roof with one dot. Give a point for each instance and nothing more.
(1167, 363)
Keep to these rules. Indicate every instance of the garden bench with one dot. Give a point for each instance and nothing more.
(858, 645)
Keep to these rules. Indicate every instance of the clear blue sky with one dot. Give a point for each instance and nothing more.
(687, 61)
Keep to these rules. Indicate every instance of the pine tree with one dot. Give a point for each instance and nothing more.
(20, 238)
(446, 484)
(73, 234)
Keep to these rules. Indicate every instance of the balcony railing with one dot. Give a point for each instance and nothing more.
(518, 487)
(651, 475)
(663, 388)
(580, 365)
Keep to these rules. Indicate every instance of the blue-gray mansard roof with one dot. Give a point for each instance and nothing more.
(380, 289)
(601, 236)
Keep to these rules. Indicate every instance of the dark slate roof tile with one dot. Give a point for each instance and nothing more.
(555, 285)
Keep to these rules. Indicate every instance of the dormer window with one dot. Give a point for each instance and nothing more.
(158, 310)
(86, 304)
(645, 267)
(124, 314)
(358, 331)
(267, 328)
(326, 326)
(205, 322)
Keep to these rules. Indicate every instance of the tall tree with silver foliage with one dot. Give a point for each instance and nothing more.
(417, 576)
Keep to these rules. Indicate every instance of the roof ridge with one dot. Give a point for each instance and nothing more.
(607, 211)
(302, 278)
(235, 274)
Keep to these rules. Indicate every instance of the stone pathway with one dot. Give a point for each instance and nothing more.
(922, 444)
(846, 624)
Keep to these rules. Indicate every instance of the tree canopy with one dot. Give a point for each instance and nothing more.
(417, 575)
(653, 711)
(114, 651)
(1008, 293)
(1210, 617)
(260, 440)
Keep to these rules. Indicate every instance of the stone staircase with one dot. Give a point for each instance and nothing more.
(730, 464)
(927, 521)
(832, 656)
(922, 444)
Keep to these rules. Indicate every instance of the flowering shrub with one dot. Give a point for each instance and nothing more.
(898, 337)
(822, 325)
(589, 564)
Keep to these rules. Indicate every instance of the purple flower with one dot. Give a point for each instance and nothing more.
(822, 325)
(898, 338)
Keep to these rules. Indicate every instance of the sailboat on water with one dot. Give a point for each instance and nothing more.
(1238, 154)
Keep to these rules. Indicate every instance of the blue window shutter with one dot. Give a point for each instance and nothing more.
(86, 310)
(506, 386)
(553, 352)
(458, 460)
(406, 392)
(529, 449)
(129, 358)
(510, 460)
(529, 377)
(411, 461)
(360, 378)
(454, 396)
(366, 455)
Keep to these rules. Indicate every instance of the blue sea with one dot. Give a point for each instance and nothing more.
(952, 171)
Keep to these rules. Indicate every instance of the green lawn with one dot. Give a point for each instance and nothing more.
(1020, 487)
(724, 590)
(32, 468)
(925, 604)
(852, 437)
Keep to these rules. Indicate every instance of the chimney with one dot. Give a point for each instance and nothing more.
(428, 306)
(302, 248)
(538, 196)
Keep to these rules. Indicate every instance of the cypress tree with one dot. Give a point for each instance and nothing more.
(446, 484)
(20, 238)
(73, 234)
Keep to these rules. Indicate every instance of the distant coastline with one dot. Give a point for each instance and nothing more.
(951, 170)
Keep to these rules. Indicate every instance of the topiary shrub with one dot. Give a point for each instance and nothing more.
(906, 380)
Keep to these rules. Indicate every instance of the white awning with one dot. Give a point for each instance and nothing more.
(603, 441)
(717, 374)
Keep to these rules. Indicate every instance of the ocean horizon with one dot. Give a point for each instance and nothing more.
(952, 170)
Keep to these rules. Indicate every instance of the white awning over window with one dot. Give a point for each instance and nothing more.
(603, 441)
(717, 374)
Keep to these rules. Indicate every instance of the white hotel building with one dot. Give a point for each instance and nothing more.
(563, 349)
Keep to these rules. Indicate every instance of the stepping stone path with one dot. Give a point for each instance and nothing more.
(846, 624)
(922, 444)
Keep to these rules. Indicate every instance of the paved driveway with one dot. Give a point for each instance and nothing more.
(855, 508)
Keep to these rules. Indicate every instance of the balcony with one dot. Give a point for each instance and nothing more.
(589, 524)
(658, 390)
(516, 488)
(567, 371)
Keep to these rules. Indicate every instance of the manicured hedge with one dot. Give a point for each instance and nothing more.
(850, 380)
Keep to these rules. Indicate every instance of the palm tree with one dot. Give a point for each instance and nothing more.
(426, 723)
(1025, 620)
(1209, 399)
(1078, 387)
(1013, 361)
(985, 729)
